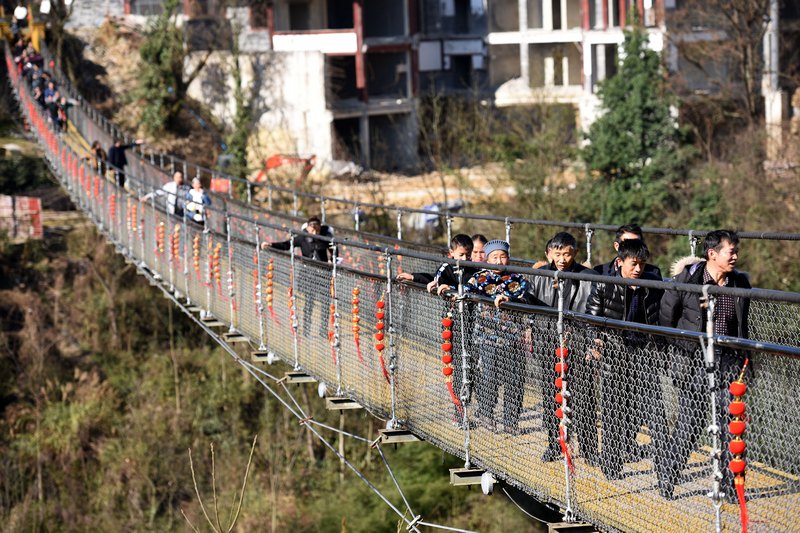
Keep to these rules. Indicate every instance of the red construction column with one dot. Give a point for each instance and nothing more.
(358, 27)
(270, 22)
(622, 13)
(605, 14)
(585, 13)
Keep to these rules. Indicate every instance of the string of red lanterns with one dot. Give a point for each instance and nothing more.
(379, 325)
(356, 329)
(561, 398)
(736, 446)
(447, 358)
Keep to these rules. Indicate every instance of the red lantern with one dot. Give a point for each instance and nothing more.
(737, 465)
(736, 408)
(738, 388)
(447, 371)
(379, 336)
(379, 315)
(379, 325)
(559, 413)
(447, 322)
(559, 398)
(447, 347)
(447, 359)
(380, 304)
(736, 427)
(380, 347)
(736, 446)
(559, 383)
(447, 334)
(561, 367)
(561, 352)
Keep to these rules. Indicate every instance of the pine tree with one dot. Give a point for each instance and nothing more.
(635, 154)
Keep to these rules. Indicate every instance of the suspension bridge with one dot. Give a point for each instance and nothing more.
(422, 362)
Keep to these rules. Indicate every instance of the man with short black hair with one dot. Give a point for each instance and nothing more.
(624, 233)
(631, 388)
(684, 310)
(561, 251)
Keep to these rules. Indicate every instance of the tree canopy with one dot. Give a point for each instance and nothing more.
(636, 152)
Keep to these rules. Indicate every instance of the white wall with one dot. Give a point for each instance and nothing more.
(289, 102)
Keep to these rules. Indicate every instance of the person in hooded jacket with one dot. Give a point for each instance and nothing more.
(684, 310)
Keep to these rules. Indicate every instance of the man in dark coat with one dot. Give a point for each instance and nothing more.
(561, 250)
(683, 310)
(630, 384)
(117, 159)
(311, 248)
(624, 233)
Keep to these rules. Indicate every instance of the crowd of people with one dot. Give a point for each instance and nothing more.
(30, 65)
(180, 200)
(629, 377)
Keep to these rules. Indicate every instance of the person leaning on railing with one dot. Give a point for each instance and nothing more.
(561, 251)
(624, 233)
(684, 310)
(631, 388)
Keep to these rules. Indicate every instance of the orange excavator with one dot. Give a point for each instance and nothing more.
(279, 160)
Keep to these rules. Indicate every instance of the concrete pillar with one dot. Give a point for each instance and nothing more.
(564, 19)
(524, 51)
(587, 51)
(363, 137)
(600, 59)
(565, 70)
(549, 71)
(547, 15)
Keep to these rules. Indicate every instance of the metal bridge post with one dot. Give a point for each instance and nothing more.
(569, 515)
(449, 223)
(335, 340)
(322, 214)
(693, 243)
(293, 299)
(356, 218)
(157, 274)
(249, 192)
(294, 203)
(231, 294)
(390, 330)
(262, 346)
(589, 234)
(269, 197)
(186, 259)
(399, 225)
(209, 265)
(710, 360)
(466, 384)
(508, 231)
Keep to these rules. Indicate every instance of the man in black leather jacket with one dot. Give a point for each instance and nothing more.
(630, 385)
(683, 310)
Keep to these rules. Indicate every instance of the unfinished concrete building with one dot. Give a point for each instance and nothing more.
(557, 51)
(367, 50)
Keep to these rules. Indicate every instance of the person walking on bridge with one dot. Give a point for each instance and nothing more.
(117, 159)
(631, 390)
(315, 249)
(175, 193)
(684, 310)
